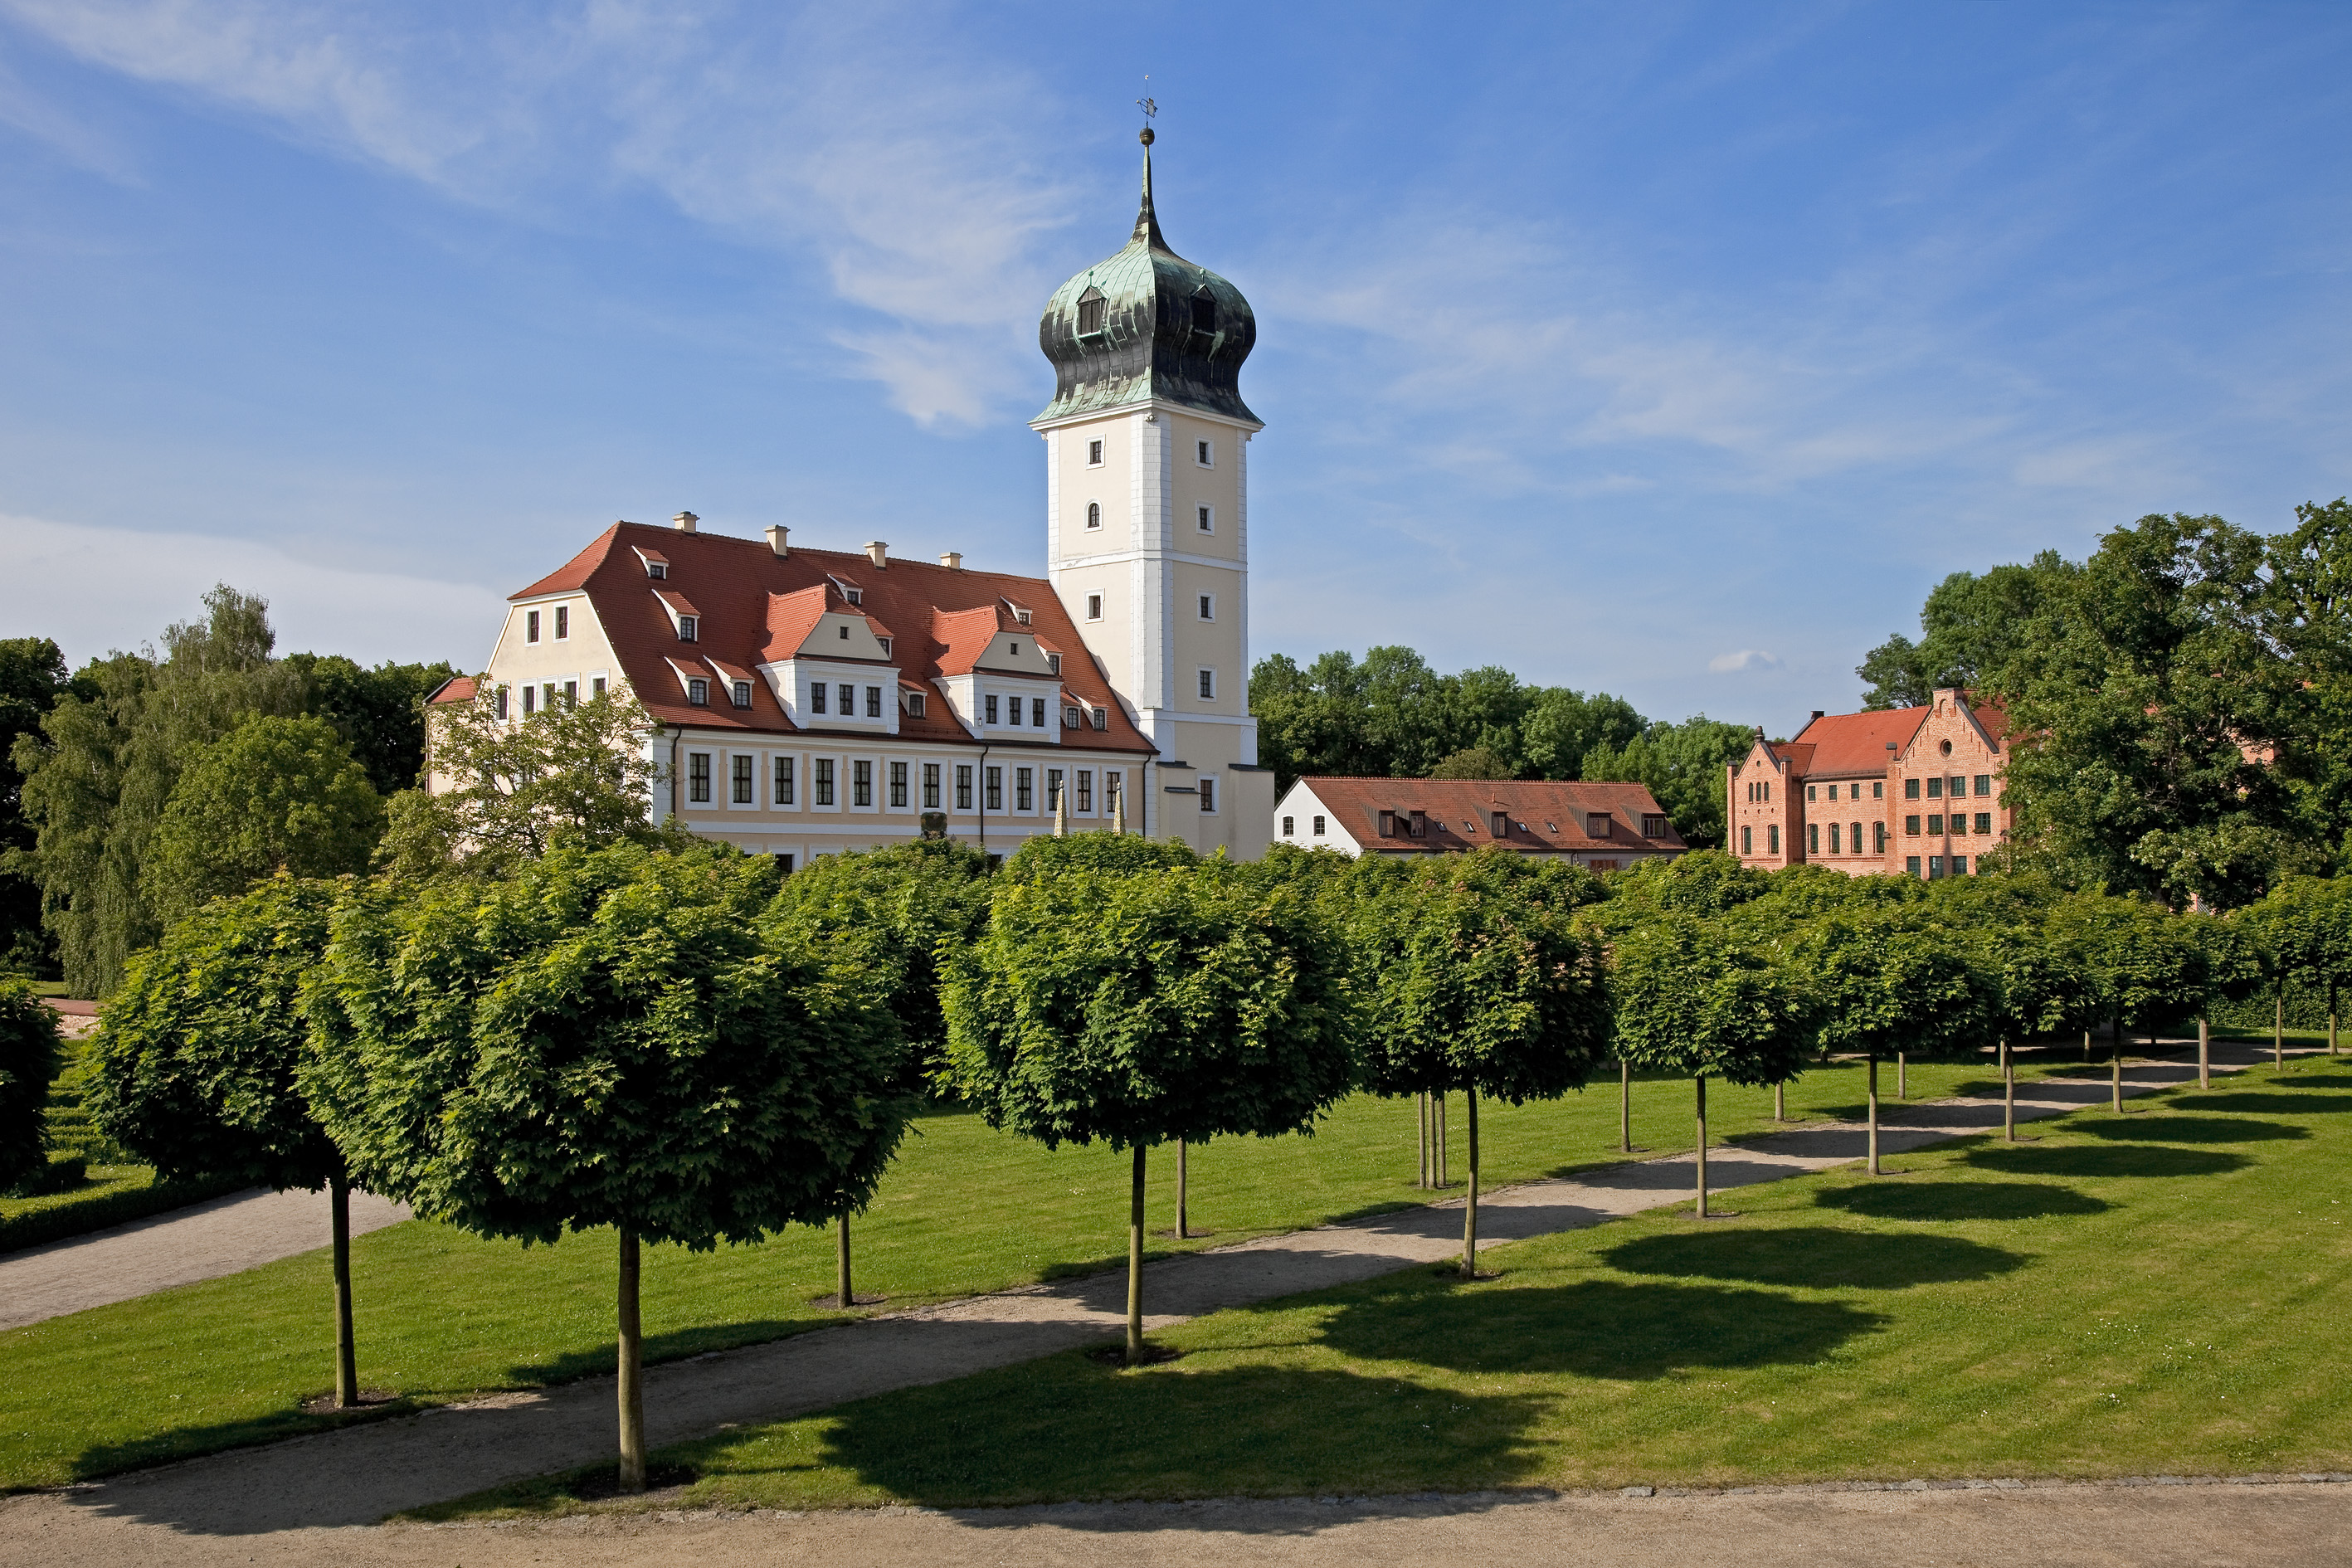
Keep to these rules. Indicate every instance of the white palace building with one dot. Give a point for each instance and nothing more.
(815, 700)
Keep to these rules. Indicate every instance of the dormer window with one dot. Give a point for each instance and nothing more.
(1597, 824)
(855, 596)
(844, 633)
(1054, 663)
(1204, 313)
(1653, 825)
(741, 693)
(1102, 717)
(657, 570)
(1070, 717)
(1015, 648)
(1092, 307)
(689, 628)
(886, 646)
(1021, 615)
(698, 692)
(915, 705)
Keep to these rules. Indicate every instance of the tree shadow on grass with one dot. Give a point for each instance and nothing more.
(2321, 1080)
(1069, 1428)
(2112, 1160)
(1820, 1258)
(2260, 1103)
(1960, 1200)
(2194, 1129)
(597, 1360)
(1595, 1327)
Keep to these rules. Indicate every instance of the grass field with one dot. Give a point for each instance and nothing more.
(442, 1315)
(2159, 1294)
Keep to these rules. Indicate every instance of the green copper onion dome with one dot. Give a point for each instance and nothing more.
(1145, 324)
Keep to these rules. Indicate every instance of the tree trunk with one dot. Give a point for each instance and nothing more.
(1470, 1206)
(1700, 1081)
(1183, 1223)
(2331, 1020)
(2278, 1026)
(1874, 1117)
(1625, 1106)
(1420, 1136)
(2086, 1044)
(632, 1371)
(1437, 1112)
(846, 1298)
(347, 1374)
(1781, 1103)
(2115, 1079)
(1902, 1075)
(2008, 1096)
(1135, 1263)
(2204, 1054)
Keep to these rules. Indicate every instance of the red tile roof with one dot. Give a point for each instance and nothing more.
(1545, 815)
(759, 607)
(1854, 742)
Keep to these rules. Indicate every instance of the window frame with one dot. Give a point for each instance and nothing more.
(742, 780)
(1204, 518)
(861, 784)
(530, 625)
(698, 692)
(1208, 606)
(1208, 683)
(1206, 785)
(823, 786)
(1093, 516)
(931, 786)
(1094, 452)
(784, 781)
(1204, 452)
(698, 778)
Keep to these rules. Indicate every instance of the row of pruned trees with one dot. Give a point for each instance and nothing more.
(672, 1041)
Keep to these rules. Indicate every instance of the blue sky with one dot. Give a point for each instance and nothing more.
(1669, 350)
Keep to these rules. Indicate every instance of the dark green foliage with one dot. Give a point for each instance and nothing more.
(32, 678)
(1880, 981)
(620, 1036)
(1971, 628)
(379, 712)
(274, 794)
(1705, 883)
(1683, 766)
(1691, 1001)
(2303, 933)
(196, 1063)
(1044, 858)
(909, 903)
(28, 1059)
(2146, 966)
(1473, 979)
(1473, 763)
(1135, 1009)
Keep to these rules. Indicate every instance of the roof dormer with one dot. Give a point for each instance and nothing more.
(656, 565)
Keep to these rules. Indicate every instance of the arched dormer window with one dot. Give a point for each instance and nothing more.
(1091, 305)
(1094, 514)
(1204, 313)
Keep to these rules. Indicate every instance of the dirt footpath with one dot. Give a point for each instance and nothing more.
(2218, 1526)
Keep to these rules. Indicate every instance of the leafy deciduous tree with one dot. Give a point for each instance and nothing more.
(274, 794)
(28, 1060)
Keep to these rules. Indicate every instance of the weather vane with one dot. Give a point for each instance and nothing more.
(1148, 108)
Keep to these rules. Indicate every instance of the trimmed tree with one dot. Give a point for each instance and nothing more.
(1691, 1001)
(618, 1038)
(2306, 927)
(197, 1062)
(2037, 988)
(1176, 1005)
(28, 1060)
(1891, 978)
(1473, 981)
(2147, 966)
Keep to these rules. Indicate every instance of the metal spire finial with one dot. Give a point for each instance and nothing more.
(1150, 108)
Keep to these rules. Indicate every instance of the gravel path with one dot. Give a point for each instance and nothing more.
(2201, 1526)
(226, 1235)
(360, 1474)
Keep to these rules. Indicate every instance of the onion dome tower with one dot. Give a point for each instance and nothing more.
(1147, 521)
(1147, 323)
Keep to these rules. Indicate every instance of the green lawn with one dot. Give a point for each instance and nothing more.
(442, 1315)
(2154, 1294)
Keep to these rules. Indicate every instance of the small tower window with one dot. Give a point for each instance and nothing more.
(1206, 515)
(1204, 454)
(1208, 685)
(1094, 514)
(1204, 313)
(1091, 307)
(1094, 454)
(1094, 606)
(1208, 606)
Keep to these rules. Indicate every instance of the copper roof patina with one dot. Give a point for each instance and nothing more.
(1170, 330)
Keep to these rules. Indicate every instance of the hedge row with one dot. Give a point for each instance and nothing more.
(34, 1222)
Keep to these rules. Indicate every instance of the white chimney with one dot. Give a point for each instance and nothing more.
(684, 521)
(952, 560)
(777, 533)
(877, 552)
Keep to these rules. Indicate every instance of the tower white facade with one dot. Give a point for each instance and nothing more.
(1147, 487)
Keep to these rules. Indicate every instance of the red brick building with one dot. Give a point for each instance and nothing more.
(1905, 792)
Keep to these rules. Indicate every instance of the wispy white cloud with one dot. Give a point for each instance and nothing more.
(1746, 658)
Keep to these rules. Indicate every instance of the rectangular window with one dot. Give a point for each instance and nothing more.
(1910, 828)
(741, 693)
(822, 777)
(916, 704)
(531, 699)
(1025, 789)
(1053, 789)
(818, 695)
(988, 706)
(596, 685)
(1204, 454)
(698, 692)
(1747, 841)
(1772, 839)
(861, 783)
(1959, 788)
(898, 784)
(1910, 789)
(1854, 839)
(1318, 827)
(1653, 825)
(689, 628)
(1290, 828)
(1878, 837)
(1208, 685)
(1935, 825)
(1984, 783)
(530, 625)
(1208, 608)
(1878, 790)
(848, 700)
(1910, 865)
(874, 702)
(1101, 717)
(1935, 789)
(1069, 718)
(1812, 792)
(963, 787)
(500, 703)
(1812, 839)
(698, 777)
(1935, 867)
(1960, 823)
(1013, 706)
(1086, 789)
(930, 786)
(1037, 711)
(1984, 822)
(738, 780)
(1960, 865)
(1208, 796)
(657, 570)
(993, 788)
(1094, 454)
(784, 864)
(1207, 518)
(548, 699)
(562, 622)
(1112, 784)
(1833, 839)
(784, 781)
(1094, 606)
(571, 693)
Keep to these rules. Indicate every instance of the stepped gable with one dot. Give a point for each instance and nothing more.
(757, 607)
